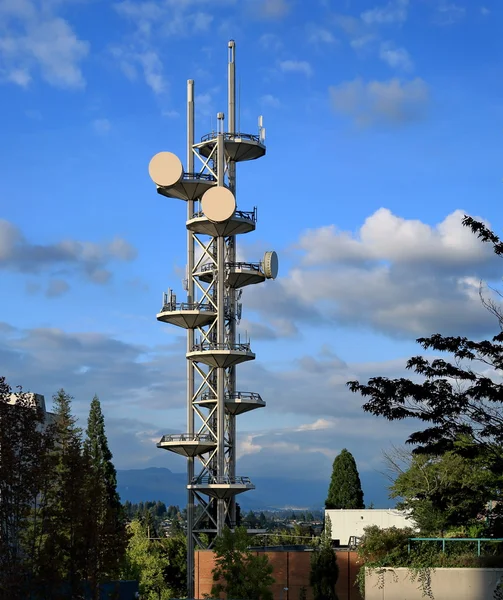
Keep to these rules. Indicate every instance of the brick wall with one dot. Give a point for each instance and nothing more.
(291, 570)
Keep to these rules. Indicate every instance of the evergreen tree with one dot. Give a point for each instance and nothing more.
(22, 444)
(105, 526)
(345, 490)
(324, 568)
(63, 552)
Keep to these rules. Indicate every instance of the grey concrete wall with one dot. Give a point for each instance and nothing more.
(446, 584)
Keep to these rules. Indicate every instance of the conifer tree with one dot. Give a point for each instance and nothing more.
(63, 549)
(106, 538)
(324, 568)
(21, 469)
(345, 490)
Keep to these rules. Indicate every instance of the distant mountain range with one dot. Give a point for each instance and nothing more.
(154, 483)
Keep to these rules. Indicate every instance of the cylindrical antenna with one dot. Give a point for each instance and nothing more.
(239, 105)
(232, 87)
(190, 125)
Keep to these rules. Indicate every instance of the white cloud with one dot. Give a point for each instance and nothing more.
(154, 22)
(319, 35)
(317, 425)
(484, 11)
(401, 277)
(129, 60)
(397, 58)
(361, 42)
(381, 102)
(37, 39)
(270, 41)
(393, 12)
(101, 126)
(270, 100)
(19, 255)
(21, 77)
(170, 114)
(296, 66)
(271, 9)
(449, 13)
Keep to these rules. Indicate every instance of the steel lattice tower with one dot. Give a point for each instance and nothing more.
(211, 312)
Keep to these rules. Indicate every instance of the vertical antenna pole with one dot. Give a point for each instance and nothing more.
(231, 385)
(221, 258)
(190, 344)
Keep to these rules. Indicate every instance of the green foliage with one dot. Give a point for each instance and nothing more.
(345, 490)
(144, 563)
(324, 569)
(173, 552)
(60, 515)
(238, 572)
(384, 546)
(388, 548)
(64, 545)
(445, 492)
(22, 469)
(105, 525)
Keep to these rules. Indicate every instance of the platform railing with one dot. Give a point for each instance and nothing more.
(234, 396)
(172, 306)
(187, 437)
(208, 346)
(247, 137)
(225, 479)
(248, 215)
(234, 265)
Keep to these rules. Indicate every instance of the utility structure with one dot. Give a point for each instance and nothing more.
(211, 312)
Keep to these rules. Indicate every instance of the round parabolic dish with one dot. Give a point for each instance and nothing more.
(218, 204)
(271, 265)
(165, 169)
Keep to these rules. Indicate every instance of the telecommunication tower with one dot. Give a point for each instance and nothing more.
(211, 312)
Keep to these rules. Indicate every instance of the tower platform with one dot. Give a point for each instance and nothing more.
(187, 316)
(221, 487)
(190, 187)
(241, 222)
(238, 274)
(186, 444)
(221, 355)
(236, 403)
(238, 146)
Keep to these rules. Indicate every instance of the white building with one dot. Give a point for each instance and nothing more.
(33, 400)
(347, 523)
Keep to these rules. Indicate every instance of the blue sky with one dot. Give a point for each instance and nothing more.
(383, 128)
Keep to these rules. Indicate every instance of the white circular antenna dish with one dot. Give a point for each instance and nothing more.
(165, 169)
(218, 204)
(271, 265)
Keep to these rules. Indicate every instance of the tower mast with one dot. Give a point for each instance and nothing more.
(211, 313)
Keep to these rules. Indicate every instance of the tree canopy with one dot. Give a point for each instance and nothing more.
(60, 517)
(345, 490)
(442, 493)
(238, 572)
